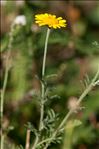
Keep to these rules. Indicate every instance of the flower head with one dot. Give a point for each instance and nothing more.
(20, 20)
(50, 20)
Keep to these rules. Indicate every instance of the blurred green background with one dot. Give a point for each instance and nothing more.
(73, 53)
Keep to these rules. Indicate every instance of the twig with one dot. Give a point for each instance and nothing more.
(27, 146)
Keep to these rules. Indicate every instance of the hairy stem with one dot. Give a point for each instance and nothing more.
(35, 142)
(43, 74)
(7, 67)
(42, 89)
(61, 125)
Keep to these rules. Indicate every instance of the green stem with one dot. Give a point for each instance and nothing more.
(45, 52)
(88, 88)
(42, 89)
(86, 91)
(2, 103)
(7, 67)
(35, 143)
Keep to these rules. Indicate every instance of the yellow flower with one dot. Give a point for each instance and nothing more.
(50, 20)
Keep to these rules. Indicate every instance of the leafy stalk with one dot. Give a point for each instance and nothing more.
(7, 67)
(43, 74)
(61, 125)
(42, 90)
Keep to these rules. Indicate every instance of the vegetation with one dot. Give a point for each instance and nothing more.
(49, 96)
